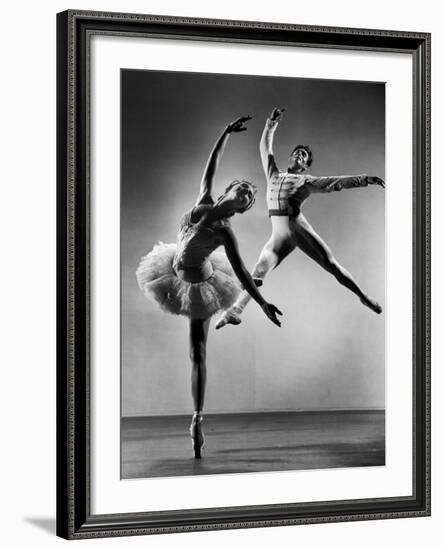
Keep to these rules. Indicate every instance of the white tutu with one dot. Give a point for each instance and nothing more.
(157, 279)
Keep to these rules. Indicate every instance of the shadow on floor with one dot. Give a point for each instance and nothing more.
(45, 524)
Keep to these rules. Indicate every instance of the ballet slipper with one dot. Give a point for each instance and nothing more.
(197, 435)
(371, 304)
(229, 317)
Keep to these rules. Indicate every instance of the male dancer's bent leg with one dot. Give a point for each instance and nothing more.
(274, 251)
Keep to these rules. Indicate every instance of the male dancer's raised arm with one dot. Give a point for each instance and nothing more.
(266, 145)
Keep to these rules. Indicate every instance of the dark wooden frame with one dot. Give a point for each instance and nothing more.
(74, 519)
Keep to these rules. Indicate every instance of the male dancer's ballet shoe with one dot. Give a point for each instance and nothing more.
(371, 304)
(229, 317)
(197, 435)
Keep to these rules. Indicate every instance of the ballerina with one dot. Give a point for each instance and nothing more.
(191, 278)
(286, 191)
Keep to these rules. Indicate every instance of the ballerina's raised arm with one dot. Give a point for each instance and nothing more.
(205, 194)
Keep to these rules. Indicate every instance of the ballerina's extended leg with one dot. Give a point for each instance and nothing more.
(198, 342)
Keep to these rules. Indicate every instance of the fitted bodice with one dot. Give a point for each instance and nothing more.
(196, 241)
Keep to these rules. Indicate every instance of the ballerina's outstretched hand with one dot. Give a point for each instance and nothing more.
(238, 125)
(271, 310)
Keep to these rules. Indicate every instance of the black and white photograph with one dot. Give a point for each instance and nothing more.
(252, 274)
(243, 277)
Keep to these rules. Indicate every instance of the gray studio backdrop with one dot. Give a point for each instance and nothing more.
(329, 353)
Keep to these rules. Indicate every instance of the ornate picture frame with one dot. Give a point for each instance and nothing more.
(76, 518)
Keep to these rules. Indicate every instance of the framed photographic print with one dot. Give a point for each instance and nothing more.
(243, 274)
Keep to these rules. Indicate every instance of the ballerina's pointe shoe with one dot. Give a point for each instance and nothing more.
(229, 317)
(371, 304)
(197, 435)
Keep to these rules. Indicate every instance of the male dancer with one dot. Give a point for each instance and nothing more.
(286, 191)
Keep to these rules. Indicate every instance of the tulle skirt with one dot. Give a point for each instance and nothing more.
(157, 279)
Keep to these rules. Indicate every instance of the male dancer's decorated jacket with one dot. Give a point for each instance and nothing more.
(287, 191)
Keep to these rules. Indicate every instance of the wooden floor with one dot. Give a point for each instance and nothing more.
(257, 442)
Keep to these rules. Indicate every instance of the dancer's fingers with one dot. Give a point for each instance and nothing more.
(374, 180)
(275, 309)
(274, 319)
(240, 121)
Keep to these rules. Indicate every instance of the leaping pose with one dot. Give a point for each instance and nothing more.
(189, 278)
(286, 191)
